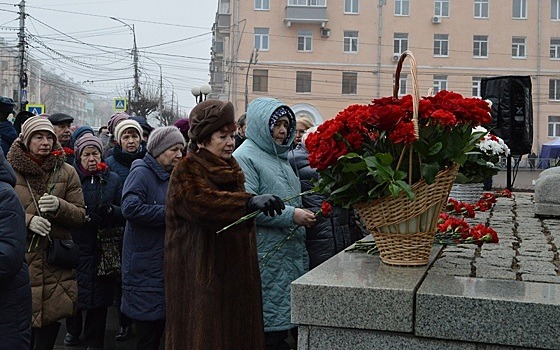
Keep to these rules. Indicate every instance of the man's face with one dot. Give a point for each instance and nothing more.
(63, 132)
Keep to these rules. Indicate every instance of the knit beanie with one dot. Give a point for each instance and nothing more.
(34, 124)
(126, 124)
(86, 141)
(209, 116)
(115, 120)
(81, 131)
(163, 138)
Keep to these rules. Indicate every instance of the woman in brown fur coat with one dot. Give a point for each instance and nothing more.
(212, 281)
(51, 194)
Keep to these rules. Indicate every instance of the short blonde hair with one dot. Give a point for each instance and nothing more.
(306, 120)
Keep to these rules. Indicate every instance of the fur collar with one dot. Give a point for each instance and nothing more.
(219, 171)
(36, 174)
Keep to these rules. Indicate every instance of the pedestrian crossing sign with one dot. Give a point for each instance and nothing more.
(35, 109)
(120, 104)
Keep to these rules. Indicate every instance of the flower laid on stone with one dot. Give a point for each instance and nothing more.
(455, 230)
(483, 204)
(482, 161)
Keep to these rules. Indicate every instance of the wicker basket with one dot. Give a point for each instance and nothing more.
(403, 229)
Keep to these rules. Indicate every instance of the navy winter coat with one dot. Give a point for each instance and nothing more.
(15, 289)
(330, 235)
(7, 135)
(121, 161)
(100, 189)
(143, 207)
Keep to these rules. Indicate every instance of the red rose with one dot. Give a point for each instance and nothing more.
(57, 153)
(102, 166)
(326, 209)
(68, 151)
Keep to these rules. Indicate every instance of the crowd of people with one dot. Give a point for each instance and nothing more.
(168, 191)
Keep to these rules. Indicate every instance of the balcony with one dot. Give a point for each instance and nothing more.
(223, 23)
(306, 14)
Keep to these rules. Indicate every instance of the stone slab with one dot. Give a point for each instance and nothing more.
(489, 311)
(356, 290)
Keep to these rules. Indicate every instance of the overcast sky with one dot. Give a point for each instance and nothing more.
(78, 37)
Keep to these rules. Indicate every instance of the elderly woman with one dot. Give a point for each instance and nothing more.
(143, 206)
(129, 147)
(263, 157)
(212, 282)
(102, 194)
(50, 192)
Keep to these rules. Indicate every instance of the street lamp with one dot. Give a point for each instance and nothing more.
(135, 58)
(201, 92)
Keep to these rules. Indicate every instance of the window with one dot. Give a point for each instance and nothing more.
(553, 125)
(555, 10)
(261, 39)
(260, 80)
(442, 8)
(307, 2)
(520, 9)
(480, 46)
(349, 83)
(480, 8)
(262, 4)
(400, 42)
(303, 81)
(351, 6)
(555, 48)
(476, 90)
(440, 83)
(402, 7)
(518, 46)
(304, 40)
(441, 44)
(350, 41)
(554, 89)
(402, 84)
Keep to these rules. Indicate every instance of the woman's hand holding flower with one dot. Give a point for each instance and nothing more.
(304, 217)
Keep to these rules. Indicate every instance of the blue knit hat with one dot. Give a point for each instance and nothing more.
(81, 131)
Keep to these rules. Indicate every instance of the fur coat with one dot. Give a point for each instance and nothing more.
(54, 289)
(212, 282)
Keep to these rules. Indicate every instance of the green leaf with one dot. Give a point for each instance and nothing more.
(407, 189)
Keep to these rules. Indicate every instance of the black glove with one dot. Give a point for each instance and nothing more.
(268, 203)
(105, 210)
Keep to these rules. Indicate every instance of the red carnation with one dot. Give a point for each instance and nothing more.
(326, 209)
(68, 151)
(102, 166)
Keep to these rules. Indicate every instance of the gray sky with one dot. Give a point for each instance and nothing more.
(79, 38)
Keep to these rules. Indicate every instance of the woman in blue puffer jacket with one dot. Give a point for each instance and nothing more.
(263, 157)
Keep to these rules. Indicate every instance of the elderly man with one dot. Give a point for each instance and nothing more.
(7, 131)
(62, 123)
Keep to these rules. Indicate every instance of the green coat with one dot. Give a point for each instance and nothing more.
(267, 170)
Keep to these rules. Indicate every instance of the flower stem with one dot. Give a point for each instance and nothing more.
(256, 212)
(277, 247)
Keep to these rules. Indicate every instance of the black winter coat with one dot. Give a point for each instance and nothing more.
(104, 188)
(15, 289)
(332, 234)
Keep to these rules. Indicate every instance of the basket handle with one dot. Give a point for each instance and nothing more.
(415, 89)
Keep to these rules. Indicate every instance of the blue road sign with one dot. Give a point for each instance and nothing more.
(35, 109)
(120, 104)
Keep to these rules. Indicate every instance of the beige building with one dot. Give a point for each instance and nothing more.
(319, 56)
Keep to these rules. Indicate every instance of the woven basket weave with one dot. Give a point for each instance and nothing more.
(403, 229)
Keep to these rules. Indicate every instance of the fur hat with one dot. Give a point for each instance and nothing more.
(126, 124)
(163, 138)
(115, 120)
(81, 131)
(34, 124)
(86, 141)
(209, 116)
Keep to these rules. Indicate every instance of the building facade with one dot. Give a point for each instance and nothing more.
(319, 56)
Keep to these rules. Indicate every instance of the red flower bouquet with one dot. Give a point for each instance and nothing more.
(358, 153)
